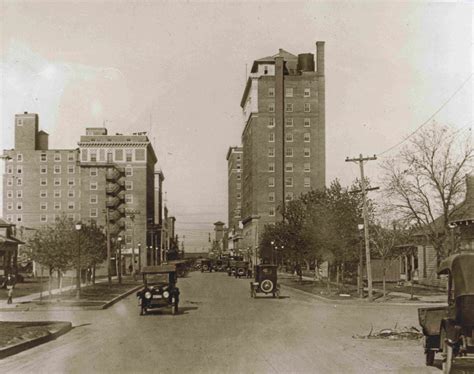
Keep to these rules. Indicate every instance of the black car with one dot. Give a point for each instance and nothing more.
(265, 281)
(206, 265)
(231, 267)
(159, 289)
(241, 269)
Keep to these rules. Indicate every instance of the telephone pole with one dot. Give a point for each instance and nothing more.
(361, 161)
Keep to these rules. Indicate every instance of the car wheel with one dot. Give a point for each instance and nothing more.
(174, 309)
(430, 355)
(267, 286)
(447, 353)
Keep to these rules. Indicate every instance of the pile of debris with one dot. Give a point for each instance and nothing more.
(406, 333)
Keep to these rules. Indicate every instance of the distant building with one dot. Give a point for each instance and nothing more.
(106, 172)
(234, 186)
(283, 137)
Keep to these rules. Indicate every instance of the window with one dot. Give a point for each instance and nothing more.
(93, 212)
(43, 157)
(307, 92)
(93, 186)
(238, 186)
(271, 137)
(128, 155)
(307, 152)
(19, 218)
(43, 194)
(57, 205)
(71, 182)
(110, 157)
(57, 169)
(19, 157)
(19, 194)
(128, 171)
(289, 181)
(289, 167)
(9, 217)
(307, 137)
(271, 182)
(10, 182)
(10, 194)
(128, 185)
(84, 154)
(289, 152)
(271, 212)
(307, 107)
(71, 205)
(271, 197)
(239, 195)
(271, 152)
(289, 92)
(57, 181)
(289, 122)
(271, 122)
(237, 166)
(70, 169)
(128, 239)
(9, 169)
(289, 107)
(289, 196)
(93, 172)
(71, 157)
(19, 169)
(271, 107)
(271, 92)
(43, 218)
(57, 157)
(307, 167)
(307, 182)
(289, 137)
(119, 154)
(43, 182)
(271, 167)
(238, 177)
(307, 122)
(19, 181)
(93, 155)
(93, 199)
(20, 122)
(129, 198)
(71, 193)
(9, 205)
(139, 154)
(44, 206)
(57, 194)
(43, 169)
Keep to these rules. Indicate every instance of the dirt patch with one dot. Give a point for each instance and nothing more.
(13, 333)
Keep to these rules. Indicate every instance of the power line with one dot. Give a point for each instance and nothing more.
(430, 118)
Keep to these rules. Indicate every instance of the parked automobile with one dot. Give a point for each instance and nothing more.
(182, 267)
(159, 289)
(265, 281)
(206, 265)
(241, 269)
(231, 267)
(449, 329)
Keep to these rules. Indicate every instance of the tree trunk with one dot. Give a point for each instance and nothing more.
(384, 272)
(93, 274)
(307, 264)
(329, 277)
(59, 282)
(50, 281)
(342, 273)
(338, 274)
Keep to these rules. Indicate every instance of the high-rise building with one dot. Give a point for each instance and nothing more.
(234, 185)
(283, 138)
(112, 174)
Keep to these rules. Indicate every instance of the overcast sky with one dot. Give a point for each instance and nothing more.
(177, 70)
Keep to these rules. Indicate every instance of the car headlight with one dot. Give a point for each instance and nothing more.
(166, 294)
(148, 295)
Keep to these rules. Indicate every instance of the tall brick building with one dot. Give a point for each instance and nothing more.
(116, 172)
(284, 136)
(234, 169)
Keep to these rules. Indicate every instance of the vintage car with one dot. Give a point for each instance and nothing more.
(206, 265)
(231, 267)
(265, 281)
(159, 289)
(220, 264)
(449, 330)
(241, 269)
(182, 267)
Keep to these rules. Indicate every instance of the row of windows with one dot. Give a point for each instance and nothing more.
(71, 205)
(57, 193)
(288, 153)
(110, 156)
(289, 122)
(289, 182)
(289, 92)
(289, 107)
(289, 138)
(57, 157)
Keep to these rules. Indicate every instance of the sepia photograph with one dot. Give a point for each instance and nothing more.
(236, 186)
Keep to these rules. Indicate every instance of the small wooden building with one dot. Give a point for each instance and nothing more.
(8, 248)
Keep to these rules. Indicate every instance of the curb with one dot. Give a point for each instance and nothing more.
(358, 301)
(23, 346)
(120, 297)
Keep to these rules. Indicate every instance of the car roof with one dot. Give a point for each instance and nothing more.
(461, 268)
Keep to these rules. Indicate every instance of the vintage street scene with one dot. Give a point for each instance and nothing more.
(236, 187)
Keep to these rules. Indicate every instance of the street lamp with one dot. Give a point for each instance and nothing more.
(119, 259)
(78, 268)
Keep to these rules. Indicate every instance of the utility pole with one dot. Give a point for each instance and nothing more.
(361, 161)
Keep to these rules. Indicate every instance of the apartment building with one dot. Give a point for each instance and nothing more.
(283, 140)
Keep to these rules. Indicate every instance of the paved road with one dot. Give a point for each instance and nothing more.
(222, 330)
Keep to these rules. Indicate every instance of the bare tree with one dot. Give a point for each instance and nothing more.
(425, 181)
